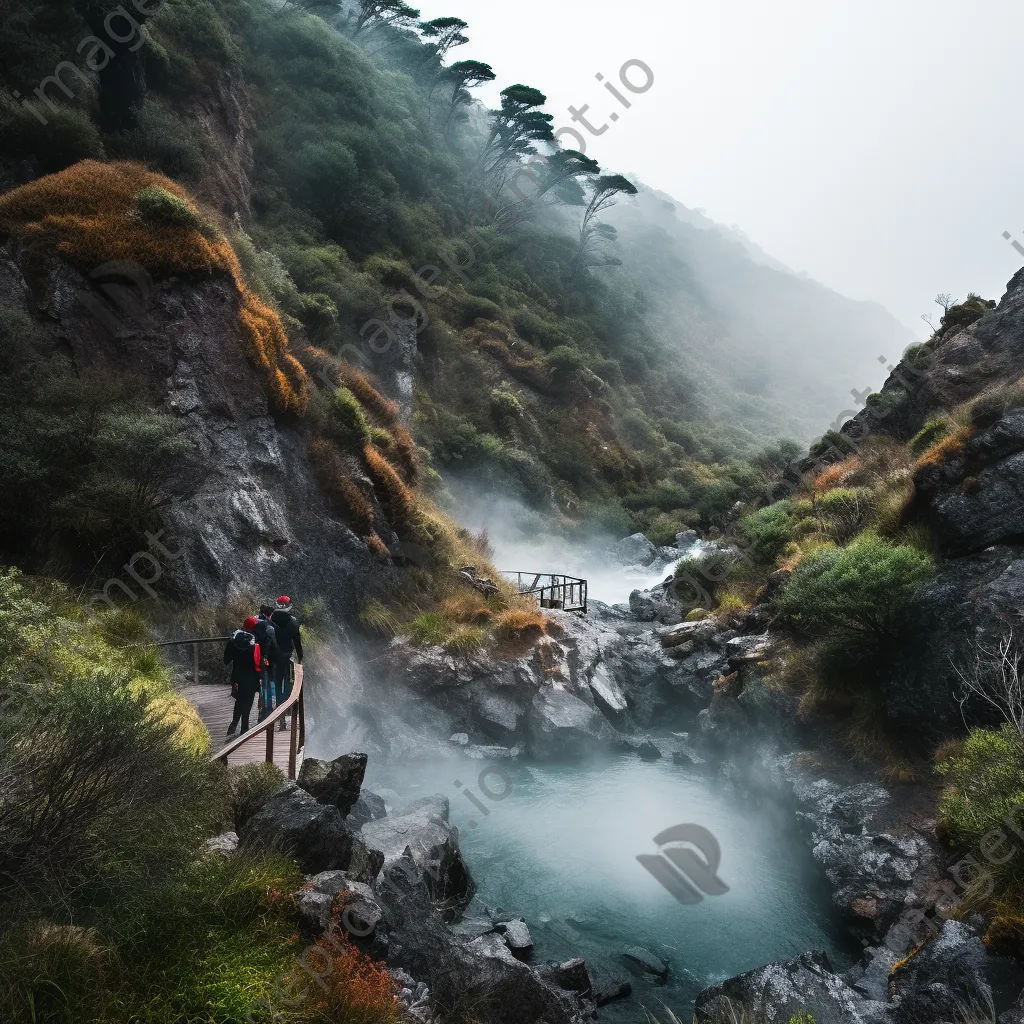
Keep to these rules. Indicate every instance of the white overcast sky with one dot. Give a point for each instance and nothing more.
(874, 144)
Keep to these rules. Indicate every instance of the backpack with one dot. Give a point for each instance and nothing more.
(286, 626)
(242, 640)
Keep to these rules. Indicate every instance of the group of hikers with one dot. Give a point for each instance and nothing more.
(260, 656)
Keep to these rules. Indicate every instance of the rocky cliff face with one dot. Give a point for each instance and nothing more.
(254, 521)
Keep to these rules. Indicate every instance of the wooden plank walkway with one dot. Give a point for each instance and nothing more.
(215, 706)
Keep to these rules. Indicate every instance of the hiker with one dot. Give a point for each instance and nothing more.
(266, 637)
(242, 653)
(289, 640)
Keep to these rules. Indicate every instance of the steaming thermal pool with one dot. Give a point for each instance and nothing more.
(560, 850)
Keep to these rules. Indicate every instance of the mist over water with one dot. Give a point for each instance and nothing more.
(525, 540)
(560, 850)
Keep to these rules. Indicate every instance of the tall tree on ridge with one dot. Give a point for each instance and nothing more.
(607, 189)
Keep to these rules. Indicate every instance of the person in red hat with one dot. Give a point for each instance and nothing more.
(289, 642)
(243, 654)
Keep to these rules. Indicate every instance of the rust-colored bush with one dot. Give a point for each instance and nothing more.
(345, 498)
(401, 451)
(468, 607)
(948, 448)
(519, 623)
(392, 492)
(88, 215)
(379, 407)
(836, 475)
(358, 989)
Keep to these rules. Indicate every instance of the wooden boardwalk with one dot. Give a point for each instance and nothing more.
(215, 706)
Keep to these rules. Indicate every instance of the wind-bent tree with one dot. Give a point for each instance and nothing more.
(556, 176)
(394, 13)
(445, 34)
(122, 79)
(607, 190)
(464, 75)
(515, 126)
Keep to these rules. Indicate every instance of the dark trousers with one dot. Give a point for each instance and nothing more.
(283, 680)
(243, 706)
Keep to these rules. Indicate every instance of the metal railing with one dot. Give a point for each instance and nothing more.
(297, 729)
(569, 593)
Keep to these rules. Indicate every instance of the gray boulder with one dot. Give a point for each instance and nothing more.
(955, 971)
(634, 550)
(313, 833)
(609, 982)
(334, 782)
(481, 977)
(223, 845)
(423, 833)
(778, 992)
(563, 725)
(369, 807)
(643, 961)
(360, 912)
(517, 937)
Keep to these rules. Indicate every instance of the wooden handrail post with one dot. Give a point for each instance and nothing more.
(195, 664)
(270, 741)
(293, 738)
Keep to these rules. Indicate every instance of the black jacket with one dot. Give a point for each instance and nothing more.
(289, 637)
(266, 637)
(240, 654)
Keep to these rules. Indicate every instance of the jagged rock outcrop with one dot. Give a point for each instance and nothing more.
(336, 782)
(951, 978)
(313, 833)
(423, 833)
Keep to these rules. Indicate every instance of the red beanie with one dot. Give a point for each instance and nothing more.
(250, 623)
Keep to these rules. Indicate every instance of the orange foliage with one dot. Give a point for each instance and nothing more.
(358, 989)
(385, 412)
(343, 493)
(402, 452)
(836, 475)
(87, 215)
(947, 448)
(396, 498)
(468, 607)
(519, 623)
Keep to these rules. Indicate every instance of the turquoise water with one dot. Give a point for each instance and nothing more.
(560, 847)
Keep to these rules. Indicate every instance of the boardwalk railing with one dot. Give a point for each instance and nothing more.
(569, 593)
(297, 730)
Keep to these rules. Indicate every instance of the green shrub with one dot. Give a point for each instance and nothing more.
(697, 578)
(162, 141)
(768, 532)
(862, 588)
(985, 783)
(349, 420)
(984, 794)
(159, 207)
(544, 333)
(843, 511)
(564, 360)
(249, 788)
(931, 432)
(68, 136)
(990, 408)
(476, 307)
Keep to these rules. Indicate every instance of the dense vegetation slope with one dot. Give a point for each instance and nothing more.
(376, 207)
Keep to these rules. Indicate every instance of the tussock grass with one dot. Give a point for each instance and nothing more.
(90, 214)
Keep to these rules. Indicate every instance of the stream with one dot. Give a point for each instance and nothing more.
(560, 847)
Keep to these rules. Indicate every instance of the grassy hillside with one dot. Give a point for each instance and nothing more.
(369, 201)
